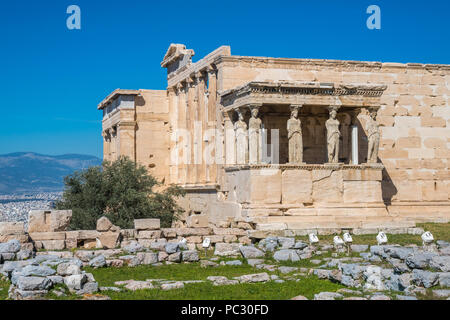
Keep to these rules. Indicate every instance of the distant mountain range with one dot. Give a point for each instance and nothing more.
(33, 172)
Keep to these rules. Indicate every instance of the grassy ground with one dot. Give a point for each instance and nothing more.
(440, 231)
(4, 286)
(203, 291)
(257, 291)
(306, 286)
(182, 271)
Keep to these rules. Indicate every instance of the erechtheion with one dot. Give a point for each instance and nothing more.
(292, 144)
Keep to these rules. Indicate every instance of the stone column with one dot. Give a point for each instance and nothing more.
(201, 127)
(107, 144)
(254, 134)
(114, 143)
(212, 95)
(354, 130)
(333, 135)
(196, 132)
(182, 156)
(191, 111)
(211, 169)
(373, 136)
(295, 137)
(353, 139)
(241, 134)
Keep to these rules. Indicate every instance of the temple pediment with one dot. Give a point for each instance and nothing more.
(176, 57)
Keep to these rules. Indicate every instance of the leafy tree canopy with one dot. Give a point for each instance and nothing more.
(120, 190)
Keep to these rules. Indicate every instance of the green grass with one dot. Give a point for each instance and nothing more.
(4, 286)
(256, 291)
(182, 271)
(440, 231)
(429, 294)
(370, 239)
(306, 286)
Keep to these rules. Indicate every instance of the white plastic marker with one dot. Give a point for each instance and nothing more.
(382, 238)
(338, 241)
(313, 238)
(206, 243)
(347, 238)
(427, 238)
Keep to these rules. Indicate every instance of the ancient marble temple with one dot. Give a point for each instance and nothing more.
(292, 144)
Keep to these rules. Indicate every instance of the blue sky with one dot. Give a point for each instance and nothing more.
(52, 78)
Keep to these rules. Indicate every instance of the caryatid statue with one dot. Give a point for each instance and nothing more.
(107, 135)
(294, 128)
(333, 135)
(373, 135)
(254, 126)
(241, 133)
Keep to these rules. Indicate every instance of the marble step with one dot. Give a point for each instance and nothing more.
(317, 222)
(338, 211)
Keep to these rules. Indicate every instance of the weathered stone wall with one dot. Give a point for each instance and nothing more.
(152, 132)
(138, 127)
(43, 235)
(12, 230)
(414, 118)
(208, 203)
(288, 185)
(224, 235)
